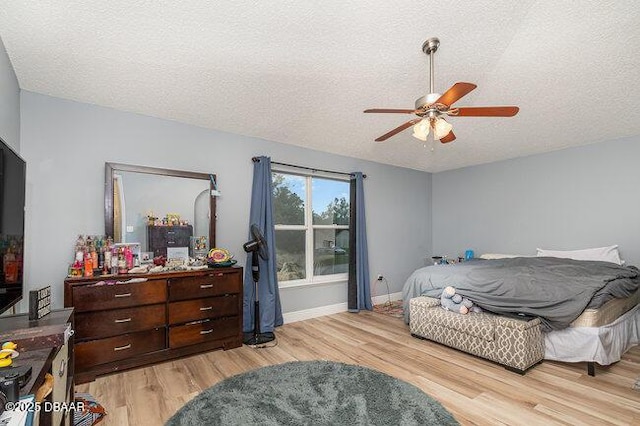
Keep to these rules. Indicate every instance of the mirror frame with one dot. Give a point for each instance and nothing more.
(110, 168)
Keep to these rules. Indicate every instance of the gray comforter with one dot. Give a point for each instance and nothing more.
(556, 290)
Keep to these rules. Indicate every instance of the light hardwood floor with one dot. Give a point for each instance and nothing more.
(475, 391)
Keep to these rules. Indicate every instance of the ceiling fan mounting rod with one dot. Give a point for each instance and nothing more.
(429, 47)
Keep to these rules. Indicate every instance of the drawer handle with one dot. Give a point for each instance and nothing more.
(62, 368)
(123, 295)
(208, 308)
(118, 321)
(203, 286)
(207, 331)
(197, 322)
(122, 348)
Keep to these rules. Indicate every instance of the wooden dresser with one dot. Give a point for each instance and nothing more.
(169, 315)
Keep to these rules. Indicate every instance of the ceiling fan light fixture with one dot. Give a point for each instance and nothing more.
(441, 128)
(421, 130)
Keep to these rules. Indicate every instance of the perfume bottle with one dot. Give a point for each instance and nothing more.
(122, 262)
(107, 259)
(114, 260)
(128, 256)
(88, 264)
(10, 267)
(79, 249)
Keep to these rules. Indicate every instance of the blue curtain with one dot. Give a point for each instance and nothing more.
(262, 215)
(359, 291)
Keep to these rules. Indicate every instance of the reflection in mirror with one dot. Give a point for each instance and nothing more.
(160, 209)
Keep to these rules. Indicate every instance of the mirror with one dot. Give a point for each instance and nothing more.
(164, 210)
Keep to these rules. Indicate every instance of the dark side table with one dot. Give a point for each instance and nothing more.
(42, 344)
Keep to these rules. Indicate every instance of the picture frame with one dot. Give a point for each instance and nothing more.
(181, 253)
(146, 257)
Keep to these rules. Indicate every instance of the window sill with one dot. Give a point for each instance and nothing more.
(312, 283)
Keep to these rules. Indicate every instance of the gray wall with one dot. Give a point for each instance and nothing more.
(575, 198)
(66, 144)
(9, 102)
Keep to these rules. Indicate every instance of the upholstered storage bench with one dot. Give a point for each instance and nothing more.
(517, 344)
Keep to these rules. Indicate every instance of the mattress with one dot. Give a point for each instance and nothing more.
(606, 313)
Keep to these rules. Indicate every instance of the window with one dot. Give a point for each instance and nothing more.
(311, 217)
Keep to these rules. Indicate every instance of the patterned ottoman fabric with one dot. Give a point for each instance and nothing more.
(512, 342)
(480, 325)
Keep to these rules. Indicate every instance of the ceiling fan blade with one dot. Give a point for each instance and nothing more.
(449, 138)
(455, 92)
(496, 111)
(392, 111)
(398, 129)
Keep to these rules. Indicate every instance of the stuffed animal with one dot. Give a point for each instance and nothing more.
(451, 301)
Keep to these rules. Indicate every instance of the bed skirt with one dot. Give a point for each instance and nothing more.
(604, 345)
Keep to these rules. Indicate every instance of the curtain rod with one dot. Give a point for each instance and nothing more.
(256, 159)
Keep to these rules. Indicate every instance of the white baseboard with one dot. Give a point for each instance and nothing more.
(320, 311)
(378, 300)
(333, 309)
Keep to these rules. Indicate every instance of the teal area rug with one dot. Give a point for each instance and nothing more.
(312, 393)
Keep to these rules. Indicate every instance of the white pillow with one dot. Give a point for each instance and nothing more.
(489, 256)
(603, 254)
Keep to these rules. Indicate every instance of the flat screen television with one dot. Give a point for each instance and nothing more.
(12, 199)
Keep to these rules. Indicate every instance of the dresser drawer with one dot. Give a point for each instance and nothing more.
(116, 348)
(203, 331)
(96, 325)
(211, 307)
(94, 298)
(212, 284)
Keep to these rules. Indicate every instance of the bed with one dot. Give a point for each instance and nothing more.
(589, 310)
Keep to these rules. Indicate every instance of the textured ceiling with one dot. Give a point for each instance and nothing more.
(301, 73)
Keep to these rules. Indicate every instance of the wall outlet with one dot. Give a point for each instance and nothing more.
(380, 277)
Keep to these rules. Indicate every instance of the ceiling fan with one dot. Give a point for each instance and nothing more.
(432, 108)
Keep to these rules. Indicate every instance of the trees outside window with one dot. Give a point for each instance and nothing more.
(311, 217)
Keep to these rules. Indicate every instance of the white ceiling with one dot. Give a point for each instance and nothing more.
(301, 73)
